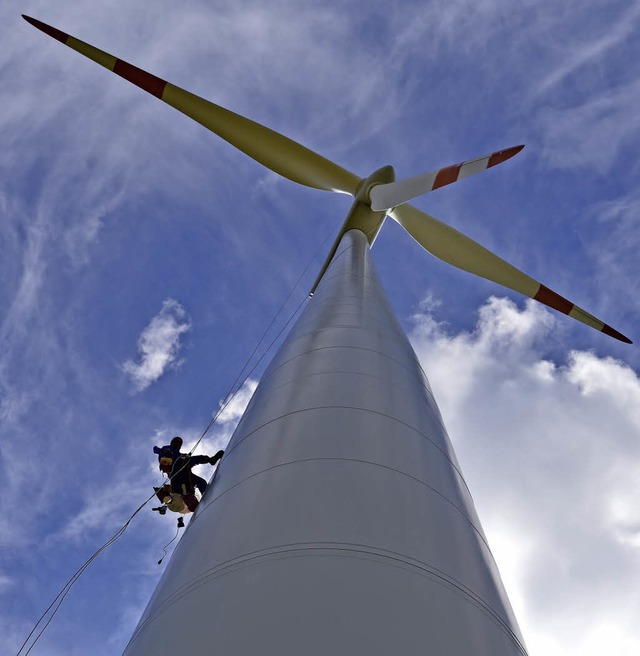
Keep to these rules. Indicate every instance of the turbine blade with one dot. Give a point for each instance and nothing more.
(457, 249)
(275, 151)
(386, 196)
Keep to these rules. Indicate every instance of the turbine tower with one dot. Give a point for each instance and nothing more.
(339, 520)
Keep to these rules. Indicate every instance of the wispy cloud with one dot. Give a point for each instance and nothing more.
(6, 582)
(159, 345)
(593, 133)
(590, 51)
(551, 452)
(615, 250)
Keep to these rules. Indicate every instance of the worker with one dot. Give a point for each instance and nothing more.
(178, 466)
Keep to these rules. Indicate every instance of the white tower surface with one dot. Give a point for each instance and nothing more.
(339, 521)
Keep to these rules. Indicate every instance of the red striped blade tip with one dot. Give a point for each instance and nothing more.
(612, 332)
(47, 29)
(504, 155)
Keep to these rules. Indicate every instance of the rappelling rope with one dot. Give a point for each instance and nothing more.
(170, 541)
(57, 602)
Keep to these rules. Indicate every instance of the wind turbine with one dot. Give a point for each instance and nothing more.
(339, 520)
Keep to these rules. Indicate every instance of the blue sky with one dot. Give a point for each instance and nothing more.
(142, 259)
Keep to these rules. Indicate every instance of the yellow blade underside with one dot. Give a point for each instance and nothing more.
(275, 151)
(453, 247)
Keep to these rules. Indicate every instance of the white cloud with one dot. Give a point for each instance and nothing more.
(228, 420)
(159, 345)
(236, 406)
(551, 453)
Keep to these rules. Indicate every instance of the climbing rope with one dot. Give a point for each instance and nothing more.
(54, 606)
(175, 537)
